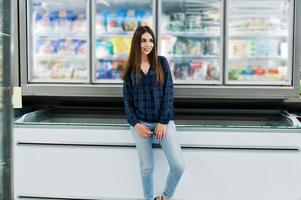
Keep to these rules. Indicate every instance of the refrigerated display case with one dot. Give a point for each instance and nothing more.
(191, 38)
(58, 35)
(90, 154)
(222, 49)
(259, 42)
(115, 22)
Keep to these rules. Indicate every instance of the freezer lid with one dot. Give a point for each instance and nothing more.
(215, 118)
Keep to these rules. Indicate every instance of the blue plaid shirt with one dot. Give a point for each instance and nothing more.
(149, 101)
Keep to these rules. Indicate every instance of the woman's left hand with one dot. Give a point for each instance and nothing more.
(160, 131)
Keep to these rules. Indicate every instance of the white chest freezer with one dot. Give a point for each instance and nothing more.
(90, 154)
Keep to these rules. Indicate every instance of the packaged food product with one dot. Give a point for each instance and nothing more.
(181, 70)
(59, 70)
(248, 71)
(47, 46)
(165, 22)
(121, 45)
(115, 21)
(44, 24)
(283, 49)
(177, 21)
(180, 47)
(38, 22)
(100, 23)
(62, 25)
(168, 44)
(100, 73)
(238, 48)
(259, 70)
(145, 18)
(71, 18)
(212, 71)
(283, 75)
(252, 48)
(82, 47)
(54, 21)
(80, 74)
(130, 22)
(233, 74)
(80, 23)
(104, 48)
(67, 46)
(191, 47)
(198, 70)
(41, 70)
(211, 15)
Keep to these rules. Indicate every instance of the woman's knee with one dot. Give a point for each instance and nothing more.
(147, 166)
(147, 169)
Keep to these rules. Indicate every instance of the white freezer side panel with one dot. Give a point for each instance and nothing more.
(201, 137)
(102, 172)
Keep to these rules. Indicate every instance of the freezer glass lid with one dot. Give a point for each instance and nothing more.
(191, 118)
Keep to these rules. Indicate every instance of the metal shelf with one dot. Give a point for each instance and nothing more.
(259, 57)
(61, 35)
(60, 81)
(113, 57)
(232, 34)
(193, 56)
(60, 57)
(121, 34)
(193, 34)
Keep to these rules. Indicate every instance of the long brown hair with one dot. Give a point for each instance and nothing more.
(134, 60)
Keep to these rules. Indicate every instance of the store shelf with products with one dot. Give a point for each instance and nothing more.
(189, 46)
(61, 19)
(269, 72)
(122, 17)
(214, 48)
(190, 37)
(259, 43)
(59, 40)
(53, 55)
(114, 27)
(60, 70)
(107, 70)
(194, 71)
(115, 46)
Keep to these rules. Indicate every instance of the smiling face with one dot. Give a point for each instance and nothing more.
(147, 43)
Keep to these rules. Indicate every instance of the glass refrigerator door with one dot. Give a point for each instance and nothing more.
(259, 42)
(115, 22)
(58, 41)
(191, 39)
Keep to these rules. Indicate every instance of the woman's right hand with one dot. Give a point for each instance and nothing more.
(143, 130)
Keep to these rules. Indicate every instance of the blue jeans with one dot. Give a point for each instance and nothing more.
(173, 153)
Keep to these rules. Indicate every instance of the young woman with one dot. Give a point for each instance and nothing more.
(148, 102)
